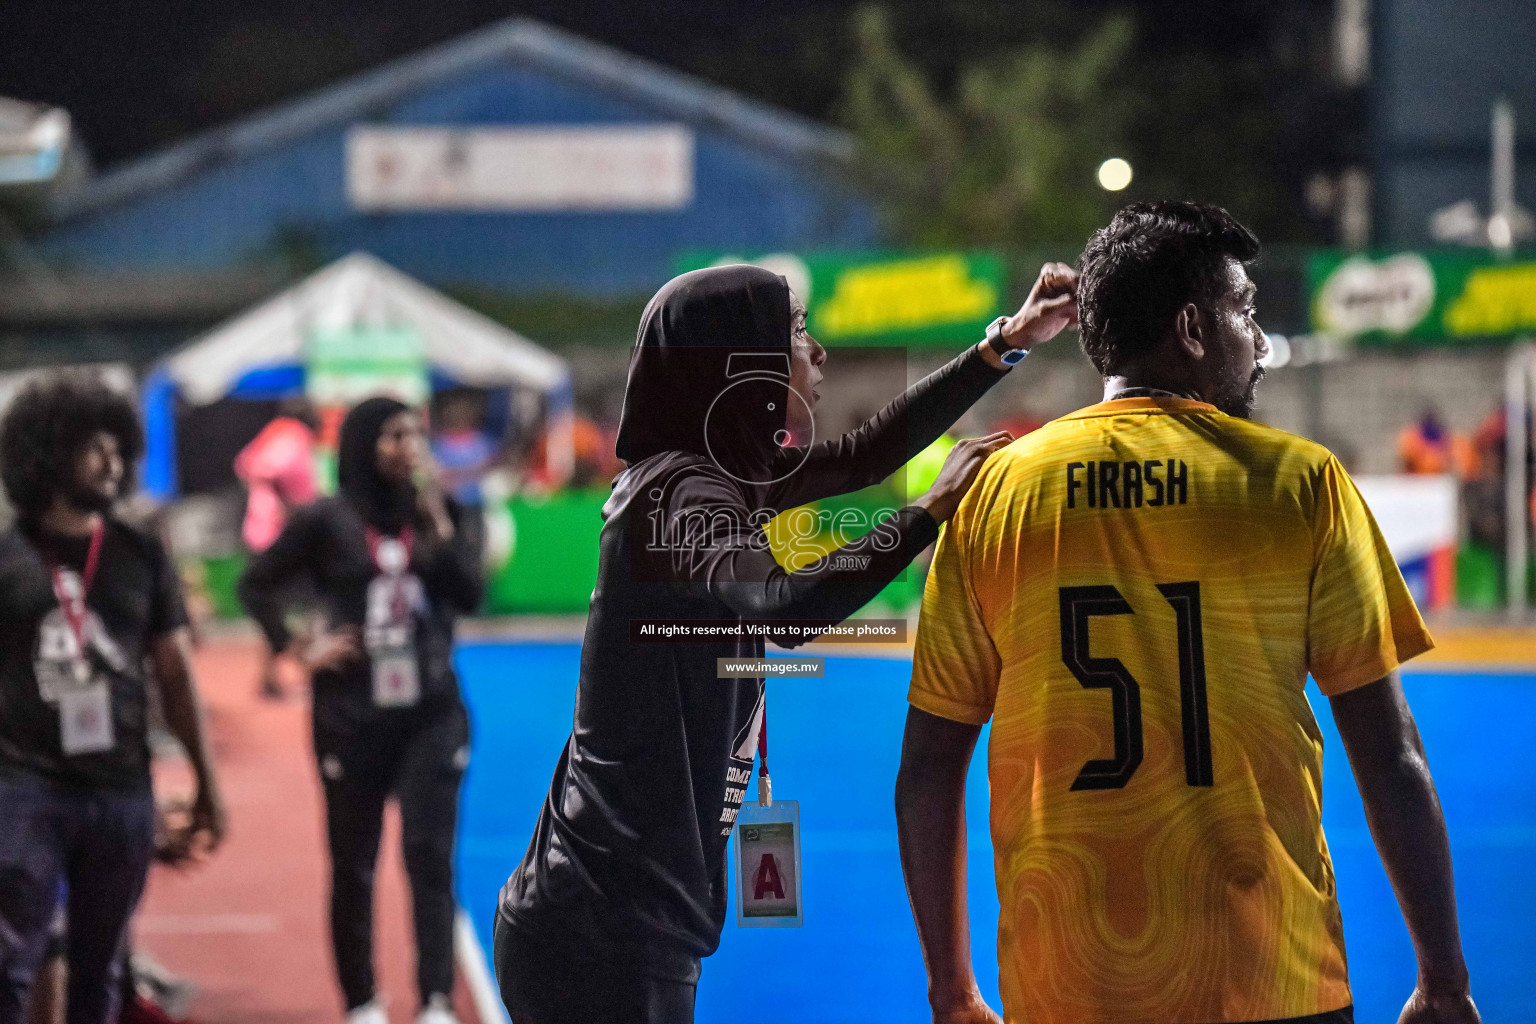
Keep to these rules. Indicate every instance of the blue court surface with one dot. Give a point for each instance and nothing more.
(836, 744)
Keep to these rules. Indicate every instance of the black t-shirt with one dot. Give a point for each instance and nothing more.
(134, 597)
(628, 855)
(327, 543)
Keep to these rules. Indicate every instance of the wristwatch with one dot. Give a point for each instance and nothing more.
(1007, 353)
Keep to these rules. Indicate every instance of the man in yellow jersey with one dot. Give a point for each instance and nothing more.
(1135, 595)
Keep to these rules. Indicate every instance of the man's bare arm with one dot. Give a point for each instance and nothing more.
(930, 822)
(1403, 811)
(171, 658)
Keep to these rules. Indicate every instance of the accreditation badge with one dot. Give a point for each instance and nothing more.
(390, 626)
(768, 865)
(85, 718)
(396, 683)
(63, 667)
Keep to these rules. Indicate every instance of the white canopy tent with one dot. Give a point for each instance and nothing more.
(356, 292)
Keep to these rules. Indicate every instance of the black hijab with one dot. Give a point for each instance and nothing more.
(384, 504)
(710, 371)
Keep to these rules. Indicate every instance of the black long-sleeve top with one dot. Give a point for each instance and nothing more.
(628, 856)
(327, 543)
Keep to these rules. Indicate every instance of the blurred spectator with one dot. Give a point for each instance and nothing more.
(75, 680)
(278, 470)
(463, 452)
(592, 455)
(394, 568)
(1488, 444)
(1430, 447)
(1484, 494)
(149, 993)
(595, 462)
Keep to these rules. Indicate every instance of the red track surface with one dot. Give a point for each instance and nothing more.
(250, 927)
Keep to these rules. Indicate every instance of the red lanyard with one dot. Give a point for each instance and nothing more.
(764, 786)
(73, 605)
(407, 539)
(398, 611)
(406, 536)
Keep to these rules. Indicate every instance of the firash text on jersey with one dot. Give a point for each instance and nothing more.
(1128, 484)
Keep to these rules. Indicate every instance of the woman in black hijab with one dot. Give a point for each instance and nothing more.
(394, 568)
(622, 890)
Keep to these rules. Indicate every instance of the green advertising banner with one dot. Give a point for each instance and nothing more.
(884, 298)
(342, 367)
(553, 567)
(1422, 297)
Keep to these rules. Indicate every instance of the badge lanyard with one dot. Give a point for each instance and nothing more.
(768, 851)
(85, 708)
(407, 540)
(764, 784)
(73, 605)
(396, 681)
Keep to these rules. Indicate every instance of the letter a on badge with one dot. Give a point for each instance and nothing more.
(767, 879)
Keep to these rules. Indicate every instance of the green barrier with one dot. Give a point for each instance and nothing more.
(1479, 577)
(219, 578)
(553, 567)
(554, 560)
(552, 570)
(554, 557)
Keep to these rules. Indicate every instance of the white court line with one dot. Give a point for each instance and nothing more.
(206, 924)
(477, 974)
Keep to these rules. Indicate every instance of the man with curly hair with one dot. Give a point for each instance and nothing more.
(87, 604)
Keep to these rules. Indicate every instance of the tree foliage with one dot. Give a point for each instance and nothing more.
(1009, 157)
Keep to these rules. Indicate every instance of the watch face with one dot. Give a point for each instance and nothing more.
(1013, 356)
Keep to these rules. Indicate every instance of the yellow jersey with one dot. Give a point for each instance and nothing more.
(1134, 595)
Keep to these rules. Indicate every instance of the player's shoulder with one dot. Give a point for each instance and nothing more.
(1301, 453)
(687, 479)
(1043, 444)
(1248, 441)
(674, 483)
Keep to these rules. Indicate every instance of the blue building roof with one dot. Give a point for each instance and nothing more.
(231, 197)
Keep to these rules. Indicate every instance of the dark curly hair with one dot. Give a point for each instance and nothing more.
(1137, 271)
(48, 423)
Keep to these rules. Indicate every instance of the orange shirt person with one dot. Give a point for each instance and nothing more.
(1428, 447)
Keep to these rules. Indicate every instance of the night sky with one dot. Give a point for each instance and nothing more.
(139, 74)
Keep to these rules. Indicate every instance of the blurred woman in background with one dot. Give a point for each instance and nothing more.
(394, 567)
